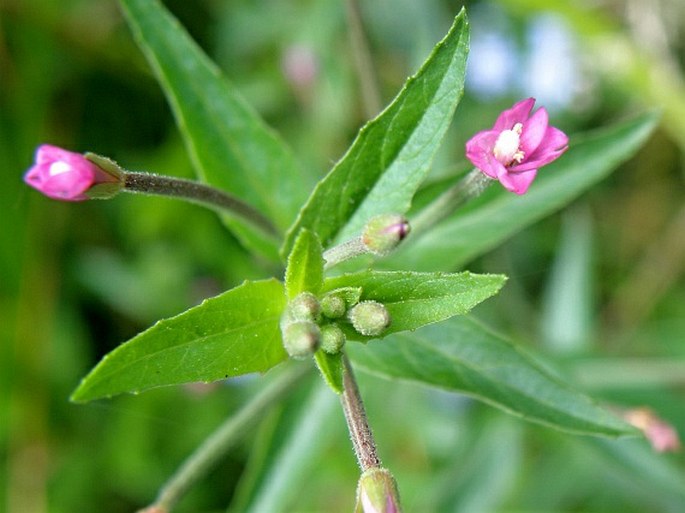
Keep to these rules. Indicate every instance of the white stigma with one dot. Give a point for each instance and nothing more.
(506, 148)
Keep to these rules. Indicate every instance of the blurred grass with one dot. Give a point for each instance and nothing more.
(77, 279)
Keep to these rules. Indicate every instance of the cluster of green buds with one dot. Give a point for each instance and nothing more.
(310, 323)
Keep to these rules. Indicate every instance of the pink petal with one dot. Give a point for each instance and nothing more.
(479, 151)
(47, 153)
(554, 143)
(518, 182)
(517, 114)
(534, 130)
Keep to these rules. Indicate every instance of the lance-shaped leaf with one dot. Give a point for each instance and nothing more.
(331, 368)
(230, 146)
(392, 153)
(304, 272)
(416, 299)
(231, 334)
(497, 214)
(462, 355)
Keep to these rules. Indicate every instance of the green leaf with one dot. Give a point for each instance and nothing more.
(331, 368)
(304, 272)
(392, 153)
(489, 220)
(231, 334)
(230, 146)
(462, 355)
(416, 299)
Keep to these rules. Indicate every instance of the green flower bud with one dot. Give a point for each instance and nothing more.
(301, 338)
(333, 306)
(383, 233)
(377, 492)
(304, 307)
(370, 318)
(332, 338)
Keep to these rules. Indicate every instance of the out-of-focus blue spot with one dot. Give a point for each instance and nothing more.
(492, 65)
(550, 73)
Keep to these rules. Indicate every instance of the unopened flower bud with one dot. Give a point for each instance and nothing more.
(370, 318)
(332, 338)
(301, 339)
(68, 176)
(333, 306)
(662, 435)
(304, 307)
(300, 66)
(377, 492)
(383, 233)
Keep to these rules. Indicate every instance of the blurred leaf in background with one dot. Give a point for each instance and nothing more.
(598, 289)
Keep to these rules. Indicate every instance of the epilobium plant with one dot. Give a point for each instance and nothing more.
(402, 311)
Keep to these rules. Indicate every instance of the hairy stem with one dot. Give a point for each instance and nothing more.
(342, 252)
(147, 183)
(470, 186)
(357, 423)
(217, 445)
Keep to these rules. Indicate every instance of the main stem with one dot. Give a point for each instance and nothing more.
(357, 423)
(147, 183)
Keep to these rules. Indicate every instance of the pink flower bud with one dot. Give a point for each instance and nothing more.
(300, 66)
(662, 436)
(517, 146)
(67, 176)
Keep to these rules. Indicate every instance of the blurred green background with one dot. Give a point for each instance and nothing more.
(597, 290)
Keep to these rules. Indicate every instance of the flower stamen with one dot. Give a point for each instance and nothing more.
(507, 147)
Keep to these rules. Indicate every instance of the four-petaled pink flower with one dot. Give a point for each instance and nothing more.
(64, 175)
(517, 146)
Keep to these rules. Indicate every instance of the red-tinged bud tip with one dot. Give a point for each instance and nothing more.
(377, 492)
(383, 233)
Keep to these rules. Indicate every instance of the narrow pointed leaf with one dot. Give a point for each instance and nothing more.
(462, 355)
(231, 334)
(230, 146)
(304, 272)
(392, 153)
(331, 368)
(416, 299)
(495, 216)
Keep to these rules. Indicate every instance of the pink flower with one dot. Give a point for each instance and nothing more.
(64, 175)
(517, 146)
